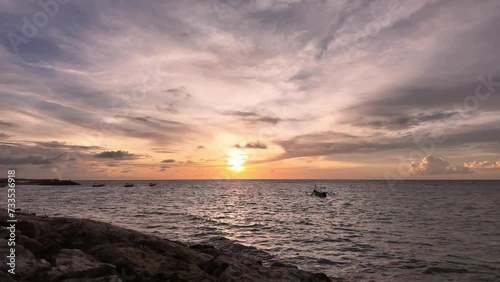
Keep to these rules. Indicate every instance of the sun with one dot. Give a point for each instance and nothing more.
(237, 159)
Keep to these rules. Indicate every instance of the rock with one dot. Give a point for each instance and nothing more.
(33, 245)
(4, 277)
(26, 264)
(280, 264)
(72, 263)
(43, 265)
(110, 278)
(72, 250)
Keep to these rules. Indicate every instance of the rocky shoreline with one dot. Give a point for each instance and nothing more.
(71, 250)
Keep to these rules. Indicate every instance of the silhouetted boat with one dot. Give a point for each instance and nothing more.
(98, 185)
(319, 194)
(152, 184)
(128, 185)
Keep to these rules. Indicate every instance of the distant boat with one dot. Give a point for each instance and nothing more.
(128, 185)
(152, 184)
(98, 185)
(319, 194)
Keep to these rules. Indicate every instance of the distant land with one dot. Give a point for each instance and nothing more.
(25, 181)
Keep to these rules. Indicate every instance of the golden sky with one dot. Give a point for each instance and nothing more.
(251, 89)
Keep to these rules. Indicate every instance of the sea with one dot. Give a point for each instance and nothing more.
(363, 231)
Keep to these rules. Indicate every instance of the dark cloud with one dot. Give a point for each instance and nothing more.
(155, 129)
(200, 147)
(405, 122)
(30, 160)
(4, 135)
(336, 146)
(57, 157)
(415, 97)
(253, 117)
(163, 168)
(252, 145)
(7, 124)
(117, 155)
(64, 145)
(168, 161)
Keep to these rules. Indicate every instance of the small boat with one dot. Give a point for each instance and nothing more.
(128, 185)
(319, 194)
(98, 185)
(152, 184)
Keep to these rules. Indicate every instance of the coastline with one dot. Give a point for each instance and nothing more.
(71, 249)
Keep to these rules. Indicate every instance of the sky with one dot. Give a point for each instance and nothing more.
(230, 89)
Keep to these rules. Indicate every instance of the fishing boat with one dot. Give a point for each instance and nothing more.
(152, 184)
(128, 185)
(98, 185)
(319, 194)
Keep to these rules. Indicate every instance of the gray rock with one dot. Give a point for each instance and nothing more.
(109, 278)
(86, 250)
(72, 263)
(43, 265)
(26, 264)
(4, 277)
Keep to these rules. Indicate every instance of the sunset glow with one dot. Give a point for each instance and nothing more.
(267, 89)
(237, 159)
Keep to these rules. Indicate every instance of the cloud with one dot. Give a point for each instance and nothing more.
(200, 147)
(253, 117)
(196, 73)
(33, 160)
(176, 98)
(405, 122)
(483, 165)
(163, 168)
(7, 124)
(64, 146)
(163, 151)
(437, 166)
(4, 135)
(252, 145)
(168, 161)
(340, 146)
(117, 155)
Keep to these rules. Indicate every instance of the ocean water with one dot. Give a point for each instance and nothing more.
(369, 231)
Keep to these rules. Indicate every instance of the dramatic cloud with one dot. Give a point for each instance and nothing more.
(117, 155)
(341, 84)
(437, 166)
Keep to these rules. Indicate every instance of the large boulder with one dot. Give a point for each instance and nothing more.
(73, 263)
(25, 262)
